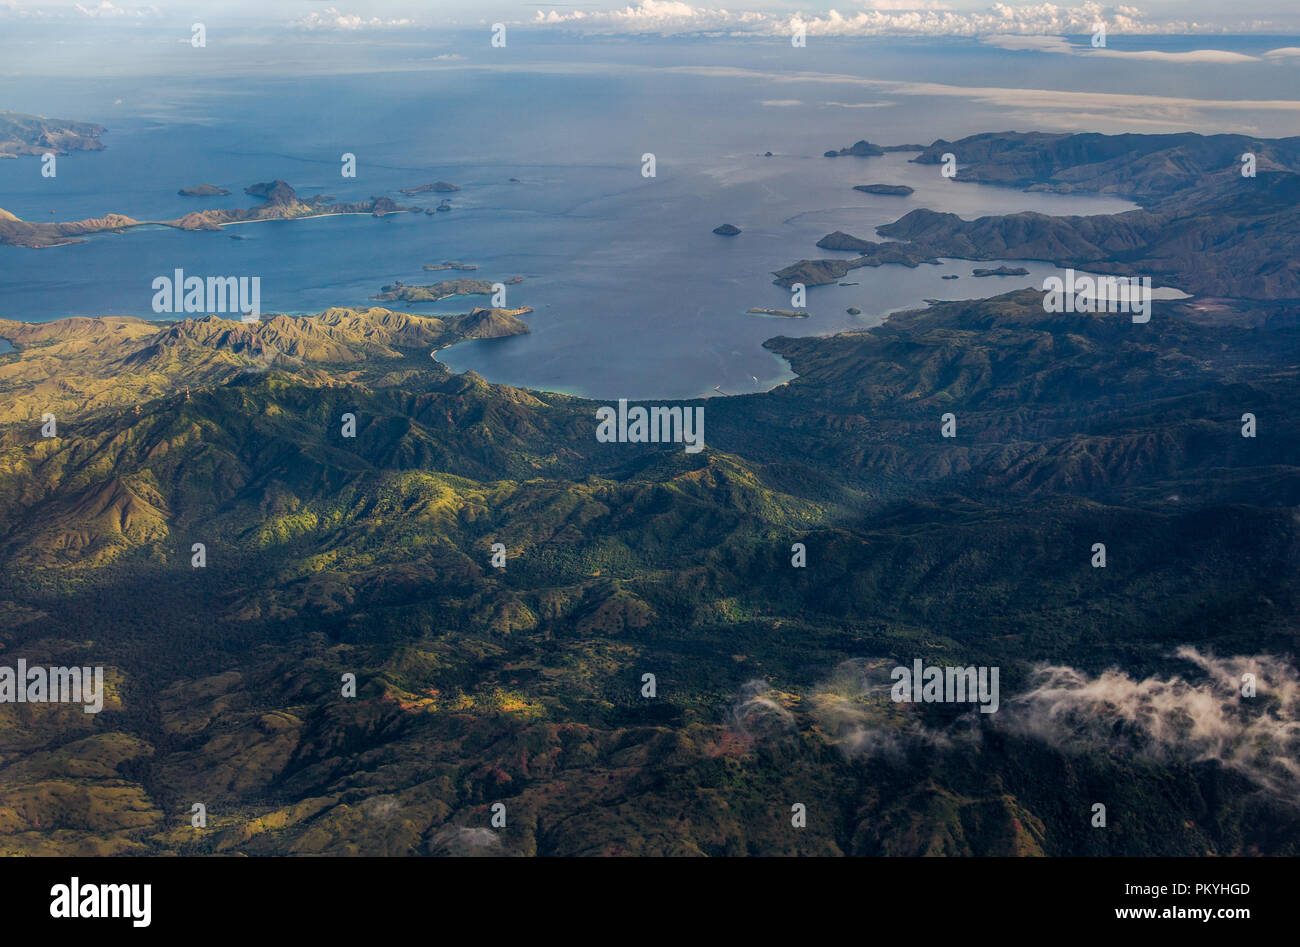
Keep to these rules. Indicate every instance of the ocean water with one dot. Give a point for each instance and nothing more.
(633, 295)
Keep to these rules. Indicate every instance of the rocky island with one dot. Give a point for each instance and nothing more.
(890, 190)
(440, 186)
(822, 272)
(1000, 271)
(203, 190)
(784, 313)
(22, 134)
(859, 149)
(727, 230)
(451, 265)
(434, 291)
(279, 202)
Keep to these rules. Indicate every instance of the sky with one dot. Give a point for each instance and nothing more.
(761, 17)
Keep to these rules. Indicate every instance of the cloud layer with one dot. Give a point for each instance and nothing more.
(1198, 716)
(887, 17)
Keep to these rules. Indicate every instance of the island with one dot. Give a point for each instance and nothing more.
(451, 265)
(890, 190)
(440, 186)
(853, 311)
(727, 230)
(865, 149)
(1000, 271)
(821, 272)
(784, 313)
(203, 190)
(434, 291)
(859, 149)
(22, 134)
(279, 202)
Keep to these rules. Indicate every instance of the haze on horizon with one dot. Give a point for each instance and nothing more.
(760, 17)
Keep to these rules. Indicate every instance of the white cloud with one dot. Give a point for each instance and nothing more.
(781, 103)
(908, 5)
(1039, 44)
(1201, 718)
(1059, 44)
(884, 17)
(1191, 55)
(331, 19)
(111, 10)
(1284, 53)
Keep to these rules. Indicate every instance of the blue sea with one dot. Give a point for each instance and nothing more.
(633, 295)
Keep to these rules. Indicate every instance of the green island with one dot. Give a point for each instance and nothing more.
(370, 555)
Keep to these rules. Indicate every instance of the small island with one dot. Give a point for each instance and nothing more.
(203, 190)
(434, 291)
(1000, 271)
(279, 201)
(853, 311)
(727, 230)
(440, 186)
(951, 276)
(865, 149)
(859, 149)
(451, 265)
(784, 313)
(891, 190)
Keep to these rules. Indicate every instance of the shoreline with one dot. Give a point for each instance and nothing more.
(84, 238)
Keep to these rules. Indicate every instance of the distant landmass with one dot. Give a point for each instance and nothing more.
(279, 202)
(1203, 226)
(891, 190)
(859, 149)
(451, 265)
(786, 313)
(865, 149)
(441, 186)
(22, 134)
